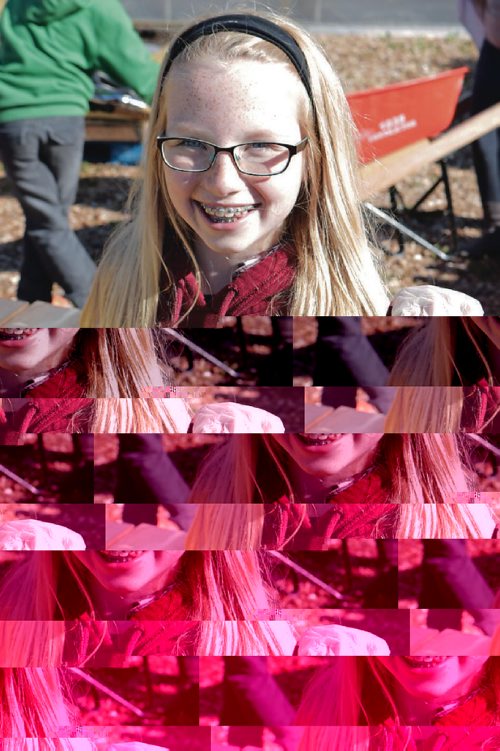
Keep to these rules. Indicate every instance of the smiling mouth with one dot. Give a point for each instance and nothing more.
(120, 556)
(10, 335)
(226, 214)
(319, 439)
(425, 662)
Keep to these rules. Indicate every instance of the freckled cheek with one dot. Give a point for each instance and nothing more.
(287, 191)
(180, 194)
(363, 442)
(181, 188)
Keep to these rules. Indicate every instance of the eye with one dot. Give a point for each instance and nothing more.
(190, 143)
(263, 148)
(264, 152)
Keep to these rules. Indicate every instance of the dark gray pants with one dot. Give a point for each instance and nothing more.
(486, 150)
(42, 158)
(147, 477)
(452, 583)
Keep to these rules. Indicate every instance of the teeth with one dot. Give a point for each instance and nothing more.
(16, 333)
(121, 556)
(226, 212)
(319, 438)
(424, 662)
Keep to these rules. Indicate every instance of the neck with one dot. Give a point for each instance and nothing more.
(414, 710)
(312, 489)
(217, 270)
(12, 384)
(111, 606)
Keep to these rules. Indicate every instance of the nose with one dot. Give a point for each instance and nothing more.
(223, 175)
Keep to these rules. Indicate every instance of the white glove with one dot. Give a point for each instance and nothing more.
(229, 417)
(482, 515)
(30, 534)
(341, 641)
(427, 300)
(179, 414)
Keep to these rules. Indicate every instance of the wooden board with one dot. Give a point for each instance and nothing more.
(119, 125)
(143, 537)
(429, 642)
(10, 309)
(322, 419)
(114, 130)
(38, 314)
(115, 531)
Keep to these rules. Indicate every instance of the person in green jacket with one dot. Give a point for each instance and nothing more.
(49, 50)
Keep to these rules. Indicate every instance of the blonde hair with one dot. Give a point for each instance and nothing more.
(364, 699)
(123, 366)
(495, 642)
(32, 705)
(437, 361)
(335, 268)
(442, 351)
(425, 475)
(224, 592)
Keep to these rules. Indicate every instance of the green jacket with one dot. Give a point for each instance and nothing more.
(50, 48)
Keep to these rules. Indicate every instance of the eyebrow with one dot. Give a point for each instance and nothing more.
(186, 131)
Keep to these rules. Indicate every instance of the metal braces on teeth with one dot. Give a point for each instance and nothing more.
(16, 332)
(226, 213)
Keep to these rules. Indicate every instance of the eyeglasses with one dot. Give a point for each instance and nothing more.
(259, 158)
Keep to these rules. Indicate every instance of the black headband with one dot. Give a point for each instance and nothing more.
(245, 24)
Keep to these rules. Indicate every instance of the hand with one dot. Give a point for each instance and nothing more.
(427, 300)
(229, 417)
(30, 534)
(341, 641)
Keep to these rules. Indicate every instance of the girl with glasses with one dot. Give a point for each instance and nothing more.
(248, 202)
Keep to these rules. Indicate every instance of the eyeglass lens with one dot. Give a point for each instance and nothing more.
(197, 156)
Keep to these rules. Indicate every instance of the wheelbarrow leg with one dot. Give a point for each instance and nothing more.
(396, 198)
(347, 564)
(43, 458)
(450, 213)
(148, 680)
(242, 342)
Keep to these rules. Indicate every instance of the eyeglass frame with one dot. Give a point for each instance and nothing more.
(293, 149)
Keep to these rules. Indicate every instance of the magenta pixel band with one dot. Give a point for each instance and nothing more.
(172, 562)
